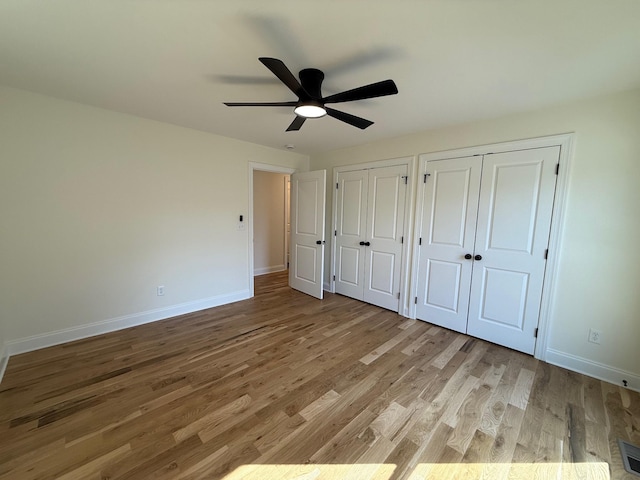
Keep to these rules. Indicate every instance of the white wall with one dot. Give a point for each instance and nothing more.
(99, 208)
(268, 221)
(599, 279)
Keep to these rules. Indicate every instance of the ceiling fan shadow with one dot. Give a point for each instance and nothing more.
(242, 79)
(278, 34)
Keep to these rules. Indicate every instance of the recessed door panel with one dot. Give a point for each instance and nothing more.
(449, 205)
(515, 192)
(351, 206)
(444, 281)
(348, 266)
(306, 200)
(381, 280)
(385, 196)
(504, 297)
(305, 267)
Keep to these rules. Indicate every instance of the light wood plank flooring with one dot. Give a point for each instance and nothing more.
(284, 386)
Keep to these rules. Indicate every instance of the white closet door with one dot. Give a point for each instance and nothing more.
(514, 218)
(385, 228)
(308, 193)
(350, 232)
(449, 209)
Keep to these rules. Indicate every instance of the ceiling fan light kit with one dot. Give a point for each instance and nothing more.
(310, 109)
(311, 103)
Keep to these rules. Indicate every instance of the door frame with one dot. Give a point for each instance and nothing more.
(287, 218)
(412, 165)
(566, 143)
(263, 167)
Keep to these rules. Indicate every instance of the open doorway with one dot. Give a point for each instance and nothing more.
(269, 219)
(270, 243)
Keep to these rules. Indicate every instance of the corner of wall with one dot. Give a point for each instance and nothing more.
(270, 269)
(593, 369)
(49, 339)
(4, 359)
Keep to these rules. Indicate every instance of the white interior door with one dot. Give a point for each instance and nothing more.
(384, 235)
(514, 218)
(351, 224)
(308, 193)
(449, 209)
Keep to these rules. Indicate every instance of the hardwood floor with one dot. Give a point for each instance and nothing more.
(284, 386)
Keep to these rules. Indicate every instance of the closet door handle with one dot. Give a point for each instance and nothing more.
(362, 244)
(367, 244)
(319, 242)
(468, 256)
(478, 257)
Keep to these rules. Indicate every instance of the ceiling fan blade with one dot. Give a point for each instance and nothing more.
(261, 104)
(296, 124)
(361, 123)
(379, 89)
(280, 70)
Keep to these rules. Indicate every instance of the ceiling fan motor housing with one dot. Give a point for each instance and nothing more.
(311, 80)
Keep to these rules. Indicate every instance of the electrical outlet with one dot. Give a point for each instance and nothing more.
(595, 336)
(160, 290)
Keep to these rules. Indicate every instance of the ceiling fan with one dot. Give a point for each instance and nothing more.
(311, 103)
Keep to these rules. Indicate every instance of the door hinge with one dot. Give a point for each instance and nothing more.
(424, 180)
(335, 233)
(334, 278)
(415, 300)
(535, 333)
(406, 178)
(398, 295)
(420, 241)
(401, 239)
(557, 168)
(546, 254)
(336, 185)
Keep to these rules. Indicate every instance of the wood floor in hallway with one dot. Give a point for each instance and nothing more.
(284, 386)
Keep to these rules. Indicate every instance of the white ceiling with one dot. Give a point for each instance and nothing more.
(453, 61)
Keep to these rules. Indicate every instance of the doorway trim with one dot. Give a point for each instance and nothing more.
(566, 143)
(263, 167)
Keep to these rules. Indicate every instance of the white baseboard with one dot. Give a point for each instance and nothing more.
(593, 369)
(35, 342)
(4, 359)
(265, 270)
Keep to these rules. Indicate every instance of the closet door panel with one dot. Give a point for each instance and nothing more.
(514, 219)
(447, 230)
(385, 227)
(351, 229)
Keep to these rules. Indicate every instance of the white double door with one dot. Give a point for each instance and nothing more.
(484, 232)
(369, 234)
